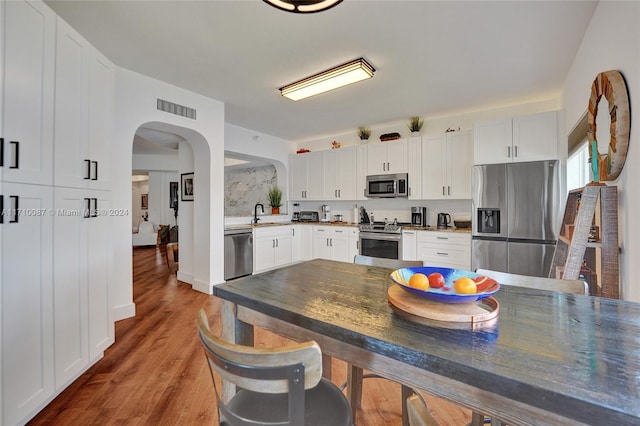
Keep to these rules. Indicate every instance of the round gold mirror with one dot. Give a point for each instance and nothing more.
(608, 160)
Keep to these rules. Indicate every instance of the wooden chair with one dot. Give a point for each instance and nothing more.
(550, 284)
(171, 253)
(278, 386)
(355, 374)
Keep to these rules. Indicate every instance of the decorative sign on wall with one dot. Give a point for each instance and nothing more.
(144, 204)
(608, 165)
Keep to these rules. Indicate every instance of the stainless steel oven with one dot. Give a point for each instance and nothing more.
(381, 240)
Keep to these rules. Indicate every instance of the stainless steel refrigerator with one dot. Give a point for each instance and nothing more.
(516, 212)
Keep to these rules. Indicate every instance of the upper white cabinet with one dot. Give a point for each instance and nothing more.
(305, 176)
(387, 157)
(414, 167)
(339, 171)
(447, 161)
(518, 139)
(83, 111)
(27, 92)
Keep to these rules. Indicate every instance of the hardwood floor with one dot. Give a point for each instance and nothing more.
(156, 373)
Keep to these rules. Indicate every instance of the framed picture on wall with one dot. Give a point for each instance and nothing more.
(173, 195)
(145, 201)
(187, 186)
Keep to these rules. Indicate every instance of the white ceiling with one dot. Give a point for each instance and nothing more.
(432, 58)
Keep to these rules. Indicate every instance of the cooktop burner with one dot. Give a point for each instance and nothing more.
(394, 227)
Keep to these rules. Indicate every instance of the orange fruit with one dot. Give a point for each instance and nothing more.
(465, 285)
(419, 281)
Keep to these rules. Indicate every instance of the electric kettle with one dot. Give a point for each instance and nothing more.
(444, 219)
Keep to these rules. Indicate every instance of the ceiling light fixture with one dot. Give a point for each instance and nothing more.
(302, 6)
(340, 76)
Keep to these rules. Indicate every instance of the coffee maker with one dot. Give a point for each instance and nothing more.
(295, 217)
(419, 216)
(325, 216)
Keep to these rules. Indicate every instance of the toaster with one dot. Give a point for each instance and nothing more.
(309, 216)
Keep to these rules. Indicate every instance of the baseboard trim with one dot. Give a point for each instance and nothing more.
(124, 311)
(203, 287)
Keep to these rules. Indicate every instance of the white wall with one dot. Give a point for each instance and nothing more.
(135, 105)
(160, 212)
(612, 42)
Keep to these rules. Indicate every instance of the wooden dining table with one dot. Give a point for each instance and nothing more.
(548, 358)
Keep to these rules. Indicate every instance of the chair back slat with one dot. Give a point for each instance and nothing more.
(552, 284)
(259, 378)
(385, 263)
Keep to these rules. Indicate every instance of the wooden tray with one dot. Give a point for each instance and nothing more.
(480, 311)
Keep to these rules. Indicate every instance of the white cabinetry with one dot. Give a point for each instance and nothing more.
(444, 249)
(414, 167)
(83, 325)
(409, 245)
(84, 111)
(518, 139)
(354, 243)
(361, 172)
(332, 242)
(55, 321)
(26, 271)
(272, 247)
(387, 157)
(301, 242)
(339, 171)
(27, 91)
(447, 161)
(306, 176)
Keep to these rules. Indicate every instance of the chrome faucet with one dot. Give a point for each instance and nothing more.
(255, 212)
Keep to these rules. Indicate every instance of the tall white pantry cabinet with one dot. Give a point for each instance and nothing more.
(56, 319)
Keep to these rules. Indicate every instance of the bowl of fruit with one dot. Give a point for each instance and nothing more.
(445, 285)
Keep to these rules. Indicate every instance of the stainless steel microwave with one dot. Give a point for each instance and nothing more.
(387, 186)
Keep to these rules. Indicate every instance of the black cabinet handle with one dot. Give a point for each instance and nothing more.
(16, 163)
(95, 175)
(1, 209)
(87, 210)
(1, 152)
(15, 209)
(94, 211)
(87, 174)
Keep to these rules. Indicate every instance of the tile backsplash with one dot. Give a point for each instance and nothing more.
(243, 188)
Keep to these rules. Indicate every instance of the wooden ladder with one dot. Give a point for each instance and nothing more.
(577, 242)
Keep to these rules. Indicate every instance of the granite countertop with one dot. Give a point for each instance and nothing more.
(433, 228)
(405, 227)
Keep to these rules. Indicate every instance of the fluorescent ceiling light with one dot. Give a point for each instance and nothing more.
(333, 78)
(303, 6)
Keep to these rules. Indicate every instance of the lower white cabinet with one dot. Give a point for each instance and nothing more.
(409, 245)
(332, 242)
(83, 325)
(444, 249)
(354, 243)
(272, 247)
(26, 286)
(301, 243)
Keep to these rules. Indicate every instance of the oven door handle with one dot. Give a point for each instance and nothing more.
(380, 236)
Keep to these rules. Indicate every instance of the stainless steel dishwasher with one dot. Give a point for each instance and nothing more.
(238, 253)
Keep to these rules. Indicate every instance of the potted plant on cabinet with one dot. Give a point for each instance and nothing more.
(275, 199)
(415, 124)
(364, 133)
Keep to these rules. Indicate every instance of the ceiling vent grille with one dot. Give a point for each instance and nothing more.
(176, 109)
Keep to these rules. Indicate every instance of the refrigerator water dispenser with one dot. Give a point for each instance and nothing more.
(489, 221)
